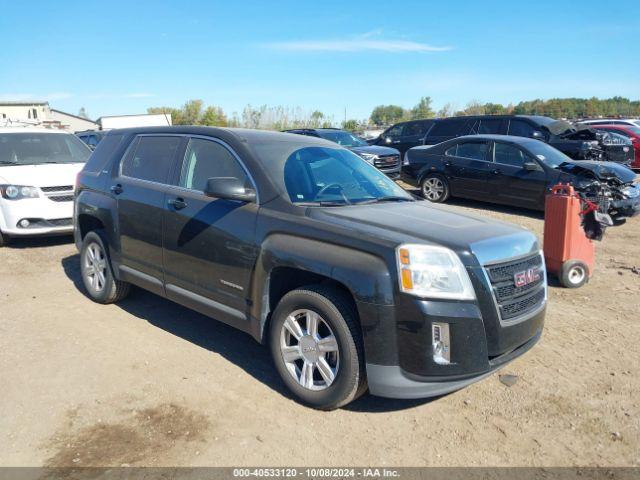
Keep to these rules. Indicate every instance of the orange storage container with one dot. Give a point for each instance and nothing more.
(568, 252)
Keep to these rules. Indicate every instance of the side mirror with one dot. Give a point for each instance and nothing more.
(530, 166)
(229, 188)
(387, 139)
(537, 134)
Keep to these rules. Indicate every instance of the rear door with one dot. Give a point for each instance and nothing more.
(140, 185)
(209, 243)
(467, 168)
(510, 183)
(446, 129)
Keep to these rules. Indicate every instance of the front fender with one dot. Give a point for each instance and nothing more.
(366, 276)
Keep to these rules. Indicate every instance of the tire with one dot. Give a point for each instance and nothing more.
(97, 275)
(574, 274)
(435, 188)
(344, 357)
(4, 240)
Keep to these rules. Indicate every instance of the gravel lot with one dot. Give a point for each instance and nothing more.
(147, 382)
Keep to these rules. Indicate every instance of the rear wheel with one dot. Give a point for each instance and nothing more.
(97, 275)
(435, 188)
(316, 346)
(574, 274)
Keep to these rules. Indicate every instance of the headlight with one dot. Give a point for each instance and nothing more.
(432, 272)
(17, 192)
(368, 157)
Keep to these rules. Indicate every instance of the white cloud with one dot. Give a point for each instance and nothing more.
(31, 97)
(361, 44)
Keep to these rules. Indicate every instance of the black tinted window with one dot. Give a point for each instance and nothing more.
(473, 150)
(415, 128)
(509, 155)
(152, 158)
(102, 154)
(490, 126)
(520, 128)
(395, 131)
(447, 128)
(205, 159)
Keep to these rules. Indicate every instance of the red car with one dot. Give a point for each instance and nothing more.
(629, 131)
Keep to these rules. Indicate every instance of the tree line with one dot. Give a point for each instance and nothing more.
(569, 108)
(194, 112)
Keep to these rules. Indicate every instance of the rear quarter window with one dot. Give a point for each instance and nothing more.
(103, 153)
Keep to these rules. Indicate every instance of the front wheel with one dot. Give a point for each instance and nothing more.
(435, 188)
(97, 275)
(316, 346)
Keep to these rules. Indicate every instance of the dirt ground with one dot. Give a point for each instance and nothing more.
(147, 382)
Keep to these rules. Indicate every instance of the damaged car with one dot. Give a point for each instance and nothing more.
(517, 171)
(578, 142)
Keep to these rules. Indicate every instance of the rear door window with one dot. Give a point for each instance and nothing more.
(473, 150)
(151, 159)
(447, 128)
(490, 126)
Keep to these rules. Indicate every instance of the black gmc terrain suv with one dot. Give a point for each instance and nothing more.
(353, 283)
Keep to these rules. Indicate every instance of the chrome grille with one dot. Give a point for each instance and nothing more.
(516, 300)
(387, 161)
(63, 188)
(61, 198)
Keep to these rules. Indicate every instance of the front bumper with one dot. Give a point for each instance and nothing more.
(45, 216)
(392, 382)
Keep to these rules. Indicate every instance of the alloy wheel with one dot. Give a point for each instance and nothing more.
(95, 267)
(309, 349)
(433, 189)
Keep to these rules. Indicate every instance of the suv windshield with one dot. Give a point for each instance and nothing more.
(343, 138)
(324, 175)
(28, 148)
(547, 154)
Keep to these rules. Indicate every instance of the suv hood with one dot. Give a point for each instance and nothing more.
(44, 175)
(601, 170)
(375, 150)
(424, 222)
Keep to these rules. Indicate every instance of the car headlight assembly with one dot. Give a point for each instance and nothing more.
(430, 271)
(18, 192)
(632, 191)
(368, 157)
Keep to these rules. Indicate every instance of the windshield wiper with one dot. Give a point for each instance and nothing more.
(390, 198)
(321, 204)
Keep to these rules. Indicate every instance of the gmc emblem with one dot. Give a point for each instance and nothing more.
(526, 277)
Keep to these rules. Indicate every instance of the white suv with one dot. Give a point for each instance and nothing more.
(38, 168)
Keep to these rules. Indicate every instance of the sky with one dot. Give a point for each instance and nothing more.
(120, 57)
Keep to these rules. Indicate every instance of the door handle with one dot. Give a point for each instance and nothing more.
(117, 189)
(396, 142)
(496, 171)
(178, 203)
(447, 164)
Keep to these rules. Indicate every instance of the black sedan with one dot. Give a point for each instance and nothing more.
(516, 171)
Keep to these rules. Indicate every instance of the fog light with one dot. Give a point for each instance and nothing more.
(24, 223)
(440, 343)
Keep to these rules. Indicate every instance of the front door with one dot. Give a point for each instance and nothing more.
(510, 183)
(209, 243)
(139, 187)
